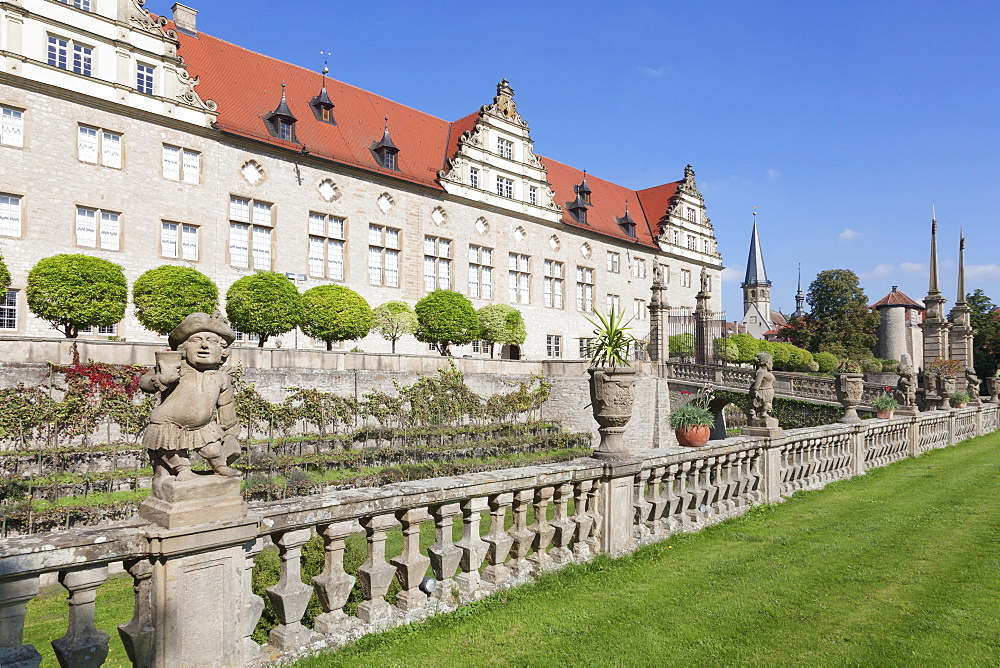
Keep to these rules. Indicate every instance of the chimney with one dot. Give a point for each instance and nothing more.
(186, 19)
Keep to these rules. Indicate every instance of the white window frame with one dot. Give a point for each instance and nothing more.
(614, 302)
(586, 344)
(533, 195)
(505, 187)
(474, 177)
(553, 284)
(480, 272)
(639, 267)
(145, 78)
(518, 278)
(685, 278)
(614, 262)
(585, 289)
(97, 146)
(327, 249)
(180, 164)
(11, 215)
(553, 345)
(691, 214)
(505, 148)
(79, 4)
(8, 311)
(179, 241)
(384, 250)
(437, 263)
(251, 233)
(11, 127)
(639, 309)
(104, 228)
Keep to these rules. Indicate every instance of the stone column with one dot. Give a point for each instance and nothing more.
(291, 595)
(858, 449)
(411, 564)
(616, 506)
(84, 645)
(771, 474)
(333, 586)
(14, 597)
(659, 314)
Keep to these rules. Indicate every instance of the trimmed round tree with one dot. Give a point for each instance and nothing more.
(503, 324)
(73, 292)
(265, 304)
(335, 313)
(164, 296)
(444, 318)
(393, 320)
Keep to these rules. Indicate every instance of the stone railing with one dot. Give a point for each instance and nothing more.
(559, 513)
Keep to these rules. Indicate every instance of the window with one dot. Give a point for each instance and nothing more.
(505, 148)
(99, 147)
(505, 187)
(480, 272)
(383, 256)
(639, 268)
(10, 216)
(8, 310)
(98, 229)
(586, 345)
(614, 262)
(246, 338)
(58, 56)
(11, 127)
(181, 164)
(585, 289)
(692, 242)
(553, 284)
(639, 309)
(708, 245)
(677, 238)
(437, 264)
(692, 215)
(614, 304)
(250, 224)
(473, 177)
(79, 4)
(110, 330)
(179, 241)
(532, 194)
(685, 278)
(285, 132)
(144, 78)
(326, 246)
(518, 279)
(553, 346)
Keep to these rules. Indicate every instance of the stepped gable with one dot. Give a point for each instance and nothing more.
(245, 85)
(896, 297)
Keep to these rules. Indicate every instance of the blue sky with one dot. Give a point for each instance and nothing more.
(841, 122)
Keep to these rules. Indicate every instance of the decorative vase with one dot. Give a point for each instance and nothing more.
(612, 394)
(993, 386)
(695, 436)
(849, 387)
(884, 415)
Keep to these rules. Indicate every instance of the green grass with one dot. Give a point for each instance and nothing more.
(898, 567)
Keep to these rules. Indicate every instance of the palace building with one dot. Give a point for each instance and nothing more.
(140, 140)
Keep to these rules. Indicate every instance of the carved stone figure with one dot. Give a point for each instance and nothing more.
(657, 273)
(193, 388)
(906, 386)
(704, 281)
(762, 393)
(972, 384)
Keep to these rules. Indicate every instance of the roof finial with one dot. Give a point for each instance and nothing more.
(933, 287)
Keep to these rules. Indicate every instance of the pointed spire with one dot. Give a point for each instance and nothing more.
(386, 141)
(799, 298)
(756, 273)
(283, 109)
(961, 269)
(933, 287)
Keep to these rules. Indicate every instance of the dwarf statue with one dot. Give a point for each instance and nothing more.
(906, 386)
(193, 387)
(762, 392)
(972, 383)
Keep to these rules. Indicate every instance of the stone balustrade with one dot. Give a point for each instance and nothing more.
(515, 524)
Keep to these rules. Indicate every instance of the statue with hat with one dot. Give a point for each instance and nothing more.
(197, 409)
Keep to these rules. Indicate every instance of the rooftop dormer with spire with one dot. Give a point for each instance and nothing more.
(321, 105)
(385, 151)
(281, 122)
(756, 289)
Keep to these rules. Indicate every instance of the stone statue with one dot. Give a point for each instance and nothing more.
(193, 388)
(704, 281)
(906, 386)
(762, 393)
(657, 273)
(972, 384)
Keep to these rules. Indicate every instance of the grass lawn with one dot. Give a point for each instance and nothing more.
(898, 567)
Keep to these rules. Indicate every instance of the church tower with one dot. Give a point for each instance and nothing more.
(800, 299)
(756, 290)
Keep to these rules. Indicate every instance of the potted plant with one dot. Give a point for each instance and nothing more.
(612, 382)
(959, 398)
(692, 421)
(884, 404)
(849, 385)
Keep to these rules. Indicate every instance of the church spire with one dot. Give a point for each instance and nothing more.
(756, 273)
(799, 298)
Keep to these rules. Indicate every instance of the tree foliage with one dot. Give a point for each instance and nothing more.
(986, 352)
(164, 296)
(748, 347)
(4, 275)
(394, 320)
(73, 292)
(839, 322)
(265, 304)
(503, 324)
(680, 345)
(444, 318)
(335, 313)
(726, 349)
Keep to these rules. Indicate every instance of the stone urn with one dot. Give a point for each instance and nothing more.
(993, 387)
(947, 385)
(612, 394)
(849, 387)
(695, 436)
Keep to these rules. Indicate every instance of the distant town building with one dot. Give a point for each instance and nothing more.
(899, 327)
(758, 319)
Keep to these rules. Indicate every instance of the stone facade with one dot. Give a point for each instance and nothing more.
(173, 191)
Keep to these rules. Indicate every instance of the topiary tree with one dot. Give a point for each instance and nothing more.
(726, 350)
(749, 347)
(871, 365)
(393, 320)
(444, 318)
(164, 296)
(680, 345)
(503, 324)
(4, 275)
(71, 292)
(265, 304)
(827, 361)
(335, 313)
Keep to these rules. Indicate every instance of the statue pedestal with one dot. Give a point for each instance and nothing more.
(203, 499)
(768, 432)
(907, 410)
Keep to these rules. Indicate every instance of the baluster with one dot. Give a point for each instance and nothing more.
(670, 482)
(716, 485)
(542, 529)
(521, 536)
(137, 633)
(654, 519)
(14, 596)
(376, 574)
(595, 514)
(640, 507)
(333, 586)
(708, 487)
(411, 565)
(686, 493)
(728, 484)
(291, 595)
(498, 540)
(84, 645)
(584, 521)
(254, 605)
(445, 556)
(741, 470)
(696, 491)
(473, 547)
(562, 526)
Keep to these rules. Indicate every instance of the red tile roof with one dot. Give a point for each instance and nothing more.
(896, 298)
(247, 86)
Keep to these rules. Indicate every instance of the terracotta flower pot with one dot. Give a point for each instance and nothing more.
(695, 436)
(884, 415)
(959, 404)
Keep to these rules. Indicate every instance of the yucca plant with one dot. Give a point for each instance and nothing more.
(612, 342)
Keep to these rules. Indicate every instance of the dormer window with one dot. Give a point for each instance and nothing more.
(321, 105)
(626, 224)
(578, 208)
(280, 122)
(385, 151)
